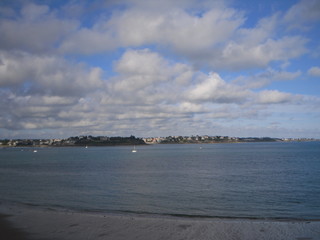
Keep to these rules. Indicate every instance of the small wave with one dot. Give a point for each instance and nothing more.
(59, 208)
(193, 216)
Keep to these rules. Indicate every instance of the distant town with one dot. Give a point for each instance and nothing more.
(132, 140)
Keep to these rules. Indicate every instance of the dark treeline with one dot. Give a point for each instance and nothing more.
(103, 141)
(74, 141)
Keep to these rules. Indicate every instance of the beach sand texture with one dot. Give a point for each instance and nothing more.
(48, 224)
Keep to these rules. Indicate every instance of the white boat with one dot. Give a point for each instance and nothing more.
(134, 149)
(35, 151)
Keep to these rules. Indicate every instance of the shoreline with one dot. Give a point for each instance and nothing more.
(5, 204)
(40, 223)
(150, 144)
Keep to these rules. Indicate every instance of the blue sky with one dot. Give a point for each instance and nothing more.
(159, 68)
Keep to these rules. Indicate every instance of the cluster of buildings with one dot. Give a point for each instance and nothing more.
(29, 142)
(189, 139)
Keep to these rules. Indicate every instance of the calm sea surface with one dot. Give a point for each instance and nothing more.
(247, 180)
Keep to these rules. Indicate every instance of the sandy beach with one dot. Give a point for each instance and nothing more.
(33, 223)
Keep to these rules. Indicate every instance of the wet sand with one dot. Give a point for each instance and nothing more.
(9, 232)
(38, 223)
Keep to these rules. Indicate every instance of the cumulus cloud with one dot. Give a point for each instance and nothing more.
(32, 110)
(143, 63)
(242, 56)
(50, 75)
(156, 66)
(273, 97)
(214, 89)
(36, 89)
(265, 78)
(146, 92)
(302, 13)
(146, 77)
(178, 29)
(34, 29)
(314, 71)
(214, 38)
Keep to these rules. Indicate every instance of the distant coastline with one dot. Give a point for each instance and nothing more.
(132, 140)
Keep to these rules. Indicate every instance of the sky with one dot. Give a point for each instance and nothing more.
(157, 68)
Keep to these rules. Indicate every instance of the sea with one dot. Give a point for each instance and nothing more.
(275, 180)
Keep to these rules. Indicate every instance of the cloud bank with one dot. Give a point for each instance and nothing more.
(155, 69)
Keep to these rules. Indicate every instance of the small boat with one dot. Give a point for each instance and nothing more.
(35, 151)
(86, 147)
(134, 149)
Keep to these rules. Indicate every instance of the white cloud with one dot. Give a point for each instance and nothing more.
(214, 38)
(302, 13)
(25, 111)
(147, 77)
(243, 55)
(181, 31)
(214, 89)
(47, 75)
(160, 83)
(33, 12)
(88, 41)
(166, 5)
(314, 71)
(142, 62)
(37, 30)
(274, 97)
(148, 91)
(189, 107)
(265, 78)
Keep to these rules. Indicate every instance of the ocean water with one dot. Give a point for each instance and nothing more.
(247, 180)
